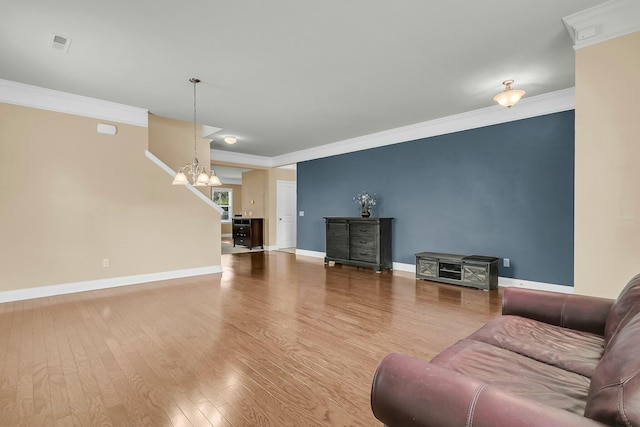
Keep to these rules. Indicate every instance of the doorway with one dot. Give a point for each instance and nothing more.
(286, 214)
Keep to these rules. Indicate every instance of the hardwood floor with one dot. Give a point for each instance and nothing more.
(273, 341)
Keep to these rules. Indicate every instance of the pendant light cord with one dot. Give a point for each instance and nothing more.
(195, 146)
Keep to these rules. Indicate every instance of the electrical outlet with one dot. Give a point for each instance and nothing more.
(301, 213)
(506, 262)
(105, 263)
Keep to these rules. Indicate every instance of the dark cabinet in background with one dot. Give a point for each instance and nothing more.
(248, 232)
(364, 242)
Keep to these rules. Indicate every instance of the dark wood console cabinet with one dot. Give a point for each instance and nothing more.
(475, 270)
(248, 232)
(364, 242)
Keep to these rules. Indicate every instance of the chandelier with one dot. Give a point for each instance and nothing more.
(509, 96)
(192, 173)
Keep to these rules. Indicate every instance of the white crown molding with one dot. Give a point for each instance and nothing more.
(62, 102)
(242, 159)
(540, 105)
(36, 97)
(553, 102)
(207, 131)
(603, 22)
(189, 187)
(230, 181)
(93, 285)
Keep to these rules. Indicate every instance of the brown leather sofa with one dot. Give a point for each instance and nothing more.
(551, 359)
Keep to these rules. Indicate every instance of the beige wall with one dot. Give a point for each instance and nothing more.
(607, 175)
(71, 198)
(171, 141)
(254, 193)
(259, 197)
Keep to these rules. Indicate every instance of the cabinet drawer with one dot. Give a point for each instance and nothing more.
(363, 230)
(363, 253)
(475, 273)
(427, 267)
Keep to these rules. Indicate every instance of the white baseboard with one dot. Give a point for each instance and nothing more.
(313, 254)
(507, 282)
(409, 268)
(93, 285)
(226, 235)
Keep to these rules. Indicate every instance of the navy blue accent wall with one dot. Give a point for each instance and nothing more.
(504, 190)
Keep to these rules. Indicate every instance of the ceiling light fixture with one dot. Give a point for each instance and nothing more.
(200, 176)
(230, 140)
(508, 97)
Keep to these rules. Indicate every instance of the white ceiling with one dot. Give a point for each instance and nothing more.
(288, 75)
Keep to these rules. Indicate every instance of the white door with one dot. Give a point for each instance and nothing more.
(286, 208)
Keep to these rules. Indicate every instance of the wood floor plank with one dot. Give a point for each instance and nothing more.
(59, 396)
(275, 340)
(42, 410)
(8, 363)
(24, 386)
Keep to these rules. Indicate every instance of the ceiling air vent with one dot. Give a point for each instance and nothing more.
(60, 42)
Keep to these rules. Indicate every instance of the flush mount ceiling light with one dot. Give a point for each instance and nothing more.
(192, 173)
(230, 140)
(508, 97)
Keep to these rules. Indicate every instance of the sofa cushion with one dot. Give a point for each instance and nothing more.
(614, 394)
(568, 349)
(517, 374)
(624, 308)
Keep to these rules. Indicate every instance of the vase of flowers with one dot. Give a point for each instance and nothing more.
(365, 201)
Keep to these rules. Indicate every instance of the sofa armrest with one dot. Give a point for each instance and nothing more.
(579, 312)
(410, 392)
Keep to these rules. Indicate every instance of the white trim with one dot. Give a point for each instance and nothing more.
(226, 235)
(53, 100)
(271, 248)
(94, 285)
(553, 102)
(230, 181)
(400, 266)
(37, 97)
(603, 22)
(191, 188)
(534, 106)
(239, 158)
(312, 254)
(504, 282)
(507, 282)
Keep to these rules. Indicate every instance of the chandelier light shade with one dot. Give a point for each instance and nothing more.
(192, 173)
(509, 96)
